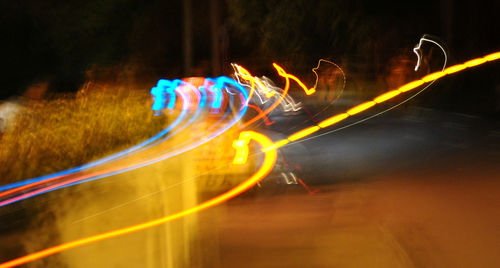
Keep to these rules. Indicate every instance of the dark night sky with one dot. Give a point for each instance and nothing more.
(58, 41)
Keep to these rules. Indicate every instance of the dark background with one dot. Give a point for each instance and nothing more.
(65, 43)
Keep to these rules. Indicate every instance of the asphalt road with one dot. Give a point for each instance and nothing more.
(418, 188)
(413, 189)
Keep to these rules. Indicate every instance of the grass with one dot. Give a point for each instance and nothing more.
(68, 130)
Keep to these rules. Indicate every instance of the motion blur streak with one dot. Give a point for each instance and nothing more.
(411, 85)
(267, 166)
(276, 145)
(69, 182)
(259, 110)
(19, 186)
(387, 96)
(384, 97)
(303, 133)
(332, 120)
(272, 107)
(245, 74)
(283, 73)
(361, 107)
(418, 51)
(163, 156)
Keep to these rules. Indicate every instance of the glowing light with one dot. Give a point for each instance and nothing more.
(245, 74)
(273, 106)
(311, 192)
(117, 170)
(475, 62)
(303, 133)
(454, 68)
(387, 96)
(266, 119)
(381, 98)
(411, 85)
(433, 76)
(276, 145)
(241, 147)
(283, 73)
(164, 87)
(418, 52)
(361, 107)
(21, 186)
(267, 166)
(270, 157)
(216, 89)
(332, 120)
(492, 56)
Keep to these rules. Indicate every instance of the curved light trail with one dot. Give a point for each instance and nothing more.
(281, 72)
(45, 178)
(268, 148)
(383, 98)
(220, 82)
(267, 166)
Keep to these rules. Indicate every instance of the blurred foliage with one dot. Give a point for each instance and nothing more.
(70, 130)
(280, 27)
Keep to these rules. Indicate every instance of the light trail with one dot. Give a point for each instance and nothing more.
(274, 105)
(267, 166)
(418, 51)
(382, 98)
(259, 110)
(344, 81)
(268, 147)
(118, 170)
(20, 186)
(286, 75)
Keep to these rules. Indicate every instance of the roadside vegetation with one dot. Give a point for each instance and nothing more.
(67, 130)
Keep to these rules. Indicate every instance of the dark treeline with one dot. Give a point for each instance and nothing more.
(59, 41)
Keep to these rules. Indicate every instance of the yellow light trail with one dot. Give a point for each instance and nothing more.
(379, 99)
(267, 166)
(286, 75)
(248, 76)
(268, 147)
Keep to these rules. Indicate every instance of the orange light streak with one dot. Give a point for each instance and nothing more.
(492, 56)
(267, 166)
(433, 76)
(284, 74)
(475, 62)
(411, 85)
(268, 147)
(454, 68)
(303, 133)
(387, 96)
(272, 107)
(259, 110)
(361, 107)
(381, 98)
(332, 120)
(276, 145)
